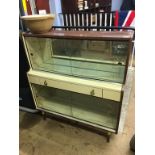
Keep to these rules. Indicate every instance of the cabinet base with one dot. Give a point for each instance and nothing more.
(106, 134)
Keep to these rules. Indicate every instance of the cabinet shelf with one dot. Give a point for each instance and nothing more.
(83, 107)
(94, 59)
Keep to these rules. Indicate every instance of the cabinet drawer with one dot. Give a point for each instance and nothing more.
(112, 95)
(79, 88)
(106, 90)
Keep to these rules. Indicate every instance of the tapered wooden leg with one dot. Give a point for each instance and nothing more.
(108, 137)
(44, 115)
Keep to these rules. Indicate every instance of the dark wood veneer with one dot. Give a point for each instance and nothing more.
(90, 35)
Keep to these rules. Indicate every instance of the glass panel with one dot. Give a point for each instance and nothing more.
(52, 99)
(101, 60)
(96, 110)
(112, 52)
(84, 107)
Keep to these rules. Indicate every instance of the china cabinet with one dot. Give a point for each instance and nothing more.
(80, 75)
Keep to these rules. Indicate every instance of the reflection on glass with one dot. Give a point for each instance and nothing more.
(101, 60)
(108, 51)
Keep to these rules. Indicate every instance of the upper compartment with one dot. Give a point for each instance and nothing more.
(86, 54)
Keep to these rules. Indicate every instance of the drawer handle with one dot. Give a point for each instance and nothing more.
(45, 83)
(92, 92)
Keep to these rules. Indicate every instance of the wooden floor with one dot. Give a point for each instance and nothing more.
(52, 137)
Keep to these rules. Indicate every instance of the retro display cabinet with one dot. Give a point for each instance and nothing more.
(79, 75)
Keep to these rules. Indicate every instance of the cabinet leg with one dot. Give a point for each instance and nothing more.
(108, 137)
(44, 115)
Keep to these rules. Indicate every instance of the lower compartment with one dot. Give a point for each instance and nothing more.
(83, 107)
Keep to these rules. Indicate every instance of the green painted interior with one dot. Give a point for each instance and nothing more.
(83, 58)
(83, 107)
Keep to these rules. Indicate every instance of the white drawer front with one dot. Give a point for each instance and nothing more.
(112, 95)
(88, 87)
(79, 88)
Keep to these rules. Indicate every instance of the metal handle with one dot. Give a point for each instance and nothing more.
(92, 92)
(45, 83)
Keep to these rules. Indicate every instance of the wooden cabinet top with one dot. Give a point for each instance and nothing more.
(91, 35)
